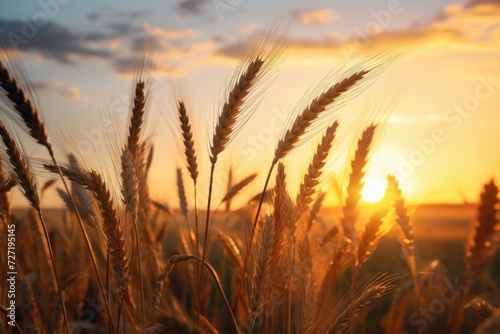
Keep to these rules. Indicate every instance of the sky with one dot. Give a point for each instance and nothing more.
(437, 104)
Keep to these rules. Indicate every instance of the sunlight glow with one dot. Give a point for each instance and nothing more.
(374, 189)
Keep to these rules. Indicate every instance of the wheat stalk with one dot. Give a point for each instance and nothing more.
(238, 107)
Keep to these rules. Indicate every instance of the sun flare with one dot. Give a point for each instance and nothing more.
(374, 189)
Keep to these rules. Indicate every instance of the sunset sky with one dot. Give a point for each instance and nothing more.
(441, 99)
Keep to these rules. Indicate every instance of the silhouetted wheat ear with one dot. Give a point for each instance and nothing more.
(24, 174)
(482, 242)
(235, 189)
(297, 130)
(355, 181)
(187, 137)
(137, 118)
(231, 111)
(401, 211)
(24, 107)
(112, 228)
(314, 171)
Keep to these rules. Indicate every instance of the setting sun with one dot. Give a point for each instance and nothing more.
(373, 190)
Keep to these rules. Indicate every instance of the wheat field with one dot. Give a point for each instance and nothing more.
(116, 260)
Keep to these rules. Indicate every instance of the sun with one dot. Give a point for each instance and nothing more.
(374, 189)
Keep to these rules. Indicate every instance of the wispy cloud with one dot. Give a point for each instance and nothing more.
(315, 17)
(185, 33)
(60, 89)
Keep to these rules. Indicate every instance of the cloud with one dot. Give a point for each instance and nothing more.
(186, 33)
(193, 7)
(52, 41)
(108, 13)
(58, 88)
(317, 17)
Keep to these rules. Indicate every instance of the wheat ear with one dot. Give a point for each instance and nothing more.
(191, 161)
(113, 231)
(314, 171)
(23, 106)
(404, 221)
(355, 182)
